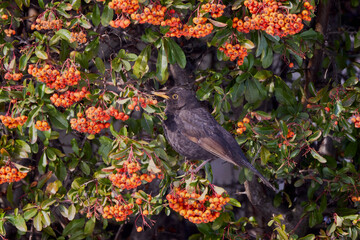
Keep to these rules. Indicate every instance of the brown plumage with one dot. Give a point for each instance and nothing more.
(194, 133)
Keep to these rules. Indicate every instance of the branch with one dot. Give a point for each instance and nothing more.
(263, 204)
(321, 25)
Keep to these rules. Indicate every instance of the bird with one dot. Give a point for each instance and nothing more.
(195, 134)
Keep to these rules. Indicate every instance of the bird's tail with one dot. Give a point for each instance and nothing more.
(248, 165)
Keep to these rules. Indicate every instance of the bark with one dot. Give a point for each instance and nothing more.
(263, 204)
(314, 64)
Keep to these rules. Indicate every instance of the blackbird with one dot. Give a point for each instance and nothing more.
(194, 133)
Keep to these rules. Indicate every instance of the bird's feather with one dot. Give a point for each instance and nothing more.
(202, 128)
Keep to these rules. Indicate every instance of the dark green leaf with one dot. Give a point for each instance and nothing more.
(64, 34)
(267, 57)
(73, 226)
(96, 16)
(141, 64)
(100, 65)
(106, 16)
(176, 53)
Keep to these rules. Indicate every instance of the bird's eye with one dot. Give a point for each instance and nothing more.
(175, 96)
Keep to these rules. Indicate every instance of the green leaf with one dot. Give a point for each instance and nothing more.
(267, 57)
(73, 226)
(71, 212)
(100, 65)
(85, 168)
(42, 163)
(24, 60)
(44, 179)
(75, 147)
(64, 34)
(96, 16)
(9, 194)
(19, 222)
(317, 156)
(262, 44)
(162, 64)
(309, 35)
(283, 93)
(315, 136)
(204, 228)
(51, 154)
(19, 3)
(217, 224)
(57, 119)
(37, 222)
(338, 108)
(30, 213)
(263, 75)
(53, 187)
(89, 226)
(47, 203)
(147, 123)
(150, 36)
(50, 232)
(76, 4)
(264, 155)
(41, 4)
(141, 64)
(105, 146)
(84, 22)
(45, 219)
(41, 54)
(176, 53)
(235, 202)
(107, 16)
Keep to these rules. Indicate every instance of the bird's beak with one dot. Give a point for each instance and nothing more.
(161, 94)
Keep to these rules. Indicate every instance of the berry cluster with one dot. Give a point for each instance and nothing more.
(216, 10)
(79, 37)
(269, 16)
(355, 198)
(117, 115)
(123, 23)
(97, 114)
(82, 124)
(234, 52)
(356, 121)
(9, 32)
(124, 6)
(290, 134)
(128, 177)
(199, 30)
(13, 76)
(13, 122)
(68, 98)
(241, 128)
(50, 24)
(119, 211)
(153, 15)
(140, 101)
(197, 211)
(53, 78)
(42, 125)
(4, 17)
(9, 174)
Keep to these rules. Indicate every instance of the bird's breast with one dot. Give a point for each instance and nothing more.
(180, 143)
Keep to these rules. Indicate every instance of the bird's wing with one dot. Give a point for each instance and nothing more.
(200, 127)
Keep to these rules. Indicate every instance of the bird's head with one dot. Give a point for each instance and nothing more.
(178, 98)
